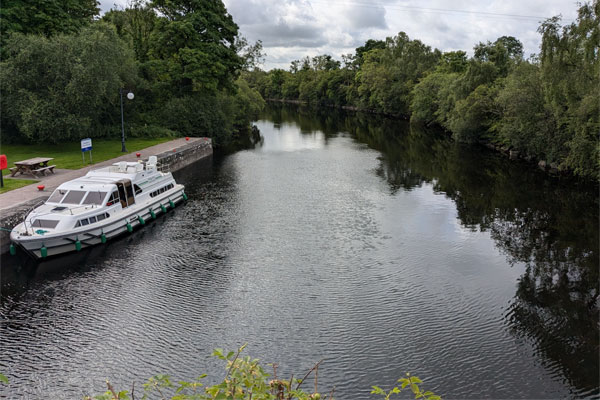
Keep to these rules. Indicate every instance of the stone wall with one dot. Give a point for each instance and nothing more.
(185, 155)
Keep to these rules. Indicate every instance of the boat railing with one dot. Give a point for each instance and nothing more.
(163, 167)
(36, 205)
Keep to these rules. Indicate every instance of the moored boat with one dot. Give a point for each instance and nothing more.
(97, 207)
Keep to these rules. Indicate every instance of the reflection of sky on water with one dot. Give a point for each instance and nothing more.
(285, 137)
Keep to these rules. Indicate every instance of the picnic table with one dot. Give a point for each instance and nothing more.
(32, 166)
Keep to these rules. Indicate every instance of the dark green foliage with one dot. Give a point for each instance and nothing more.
(527, 122)
(501, 53)
(135, 24)
(195, 42)
(46, 18)
(65, 87)
(474, 116)
(368, 46)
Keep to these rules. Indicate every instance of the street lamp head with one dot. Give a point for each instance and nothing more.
(130, 96)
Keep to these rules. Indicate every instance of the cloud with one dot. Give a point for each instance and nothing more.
(361, 17)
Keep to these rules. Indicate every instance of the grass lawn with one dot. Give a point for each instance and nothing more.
(10, 184)
(68, 155)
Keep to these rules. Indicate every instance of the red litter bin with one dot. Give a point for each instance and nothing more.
(3, 166)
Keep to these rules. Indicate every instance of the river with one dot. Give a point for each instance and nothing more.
(379, 247)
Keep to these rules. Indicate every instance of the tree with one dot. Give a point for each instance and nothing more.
(46, 18)
(195, 42)
(64, 87)
(527, 122)
(371, 44)
(324, 63)
(252, 55)
(506, 50)
(135, 24)
(570, 74)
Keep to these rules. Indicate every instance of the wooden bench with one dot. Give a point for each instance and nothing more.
(13, 169)
(43, 170)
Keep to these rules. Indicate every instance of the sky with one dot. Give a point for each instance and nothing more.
(293, 29)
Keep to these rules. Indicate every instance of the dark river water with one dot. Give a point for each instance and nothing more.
(380, 248)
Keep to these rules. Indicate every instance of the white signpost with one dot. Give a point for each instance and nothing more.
(86, 145)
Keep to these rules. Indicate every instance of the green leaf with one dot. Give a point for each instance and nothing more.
(414, 379)
(230, 354)
(377, 390)
(217, 352)
(3, 379)
(435, 397)
(414, 388)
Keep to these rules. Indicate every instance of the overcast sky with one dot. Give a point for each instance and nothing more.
(292, 29)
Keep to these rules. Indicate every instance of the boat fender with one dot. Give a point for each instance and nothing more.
(103, 237)
(77, 244)
(163, 208)
(171, 203)
(142, 221)
(152, 214)
(184, 196)
(43, 251)
(13, 249)
(129, 228)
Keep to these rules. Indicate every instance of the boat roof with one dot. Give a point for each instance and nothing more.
(104, 179)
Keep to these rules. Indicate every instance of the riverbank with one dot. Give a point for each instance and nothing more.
(16, 204)
(509, 151)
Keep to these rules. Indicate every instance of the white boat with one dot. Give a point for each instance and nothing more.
(97, 207)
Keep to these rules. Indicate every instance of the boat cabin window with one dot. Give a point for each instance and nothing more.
(162, 190)
(44, 223)
(57, 196)
(137, 189)
(95, 198)
(114, 198)
(73, 197)
(92, 220)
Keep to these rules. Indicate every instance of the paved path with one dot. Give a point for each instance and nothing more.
(16, 197)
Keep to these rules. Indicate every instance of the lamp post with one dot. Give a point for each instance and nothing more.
(130, 96)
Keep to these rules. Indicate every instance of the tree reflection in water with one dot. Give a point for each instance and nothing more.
(548, 224)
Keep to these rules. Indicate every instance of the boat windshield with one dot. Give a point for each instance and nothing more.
(95, 198)
(57, 196)
(73, 197)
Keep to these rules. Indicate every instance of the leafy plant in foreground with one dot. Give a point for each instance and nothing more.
(246, 380)
(411, 381)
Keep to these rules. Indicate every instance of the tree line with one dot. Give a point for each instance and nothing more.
(63, 65)
(545, 107)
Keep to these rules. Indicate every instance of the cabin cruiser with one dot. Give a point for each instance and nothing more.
(97, 207)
